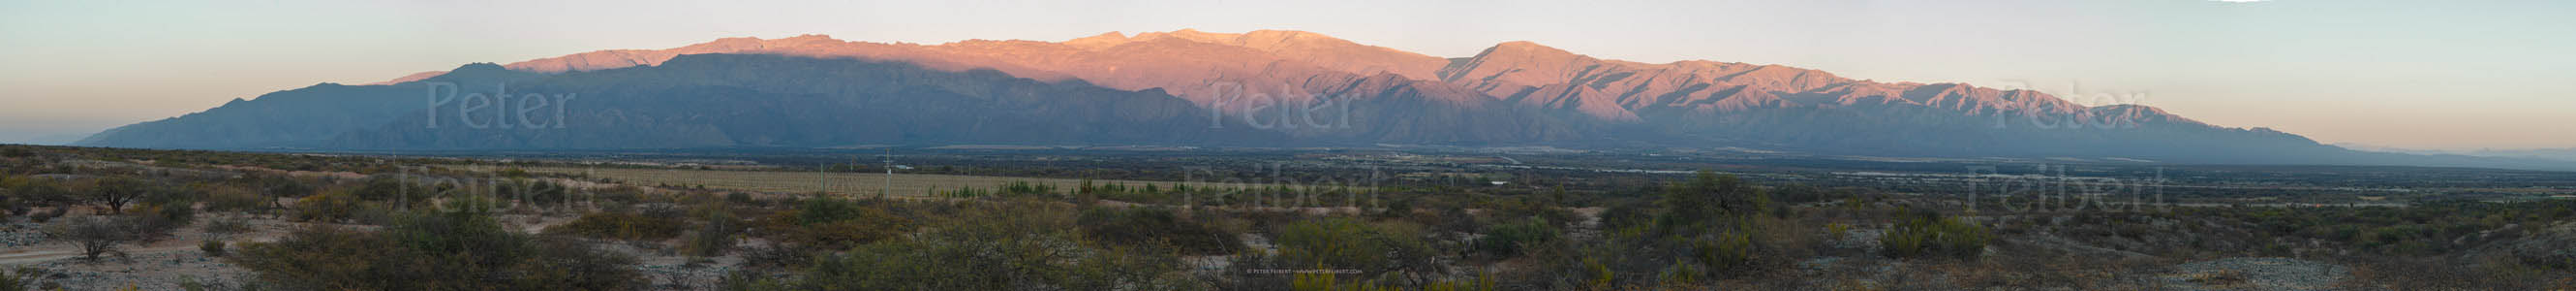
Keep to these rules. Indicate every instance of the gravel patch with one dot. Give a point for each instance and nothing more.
(162, 270)
(19, 233)
(2257, 274)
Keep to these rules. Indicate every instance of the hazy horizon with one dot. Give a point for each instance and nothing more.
(2464, 76)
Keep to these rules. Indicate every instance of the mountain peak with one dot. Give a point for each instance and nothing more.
(479, 67)
(1526, 46)
(1522, 51)
(1190, 34)
(467, 69)
(1290, 34)
(1094, 42)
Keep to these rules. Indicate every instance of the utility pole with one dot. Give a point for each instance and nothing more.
(889, 175)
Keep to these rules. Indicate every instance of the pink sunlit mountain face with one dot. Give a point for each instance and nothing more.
(1266, 87)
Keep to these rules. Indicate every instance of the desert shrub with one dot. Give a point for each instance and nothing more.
(212, 248)
(36, 191)
(1011, 245)
(621, 225)
(376, 213)
(1533, 207)
(328, 206)
(1799, 193)
(538, 194)
(1348, 243)
(42, 216)
(1508, 239)
(97, 235)
(1923, 233)
(1330, 282)
(1711, 198)
(21, 279)
(393, 190)
(1626, 215)
(1012, 262)
(234, 199)
(1452, 219)
(1157, 227)
(154, 223)
(715, 236)
(173, 213)
(457, 250)
(277, 186)
(1396, 208)
(1726, 250)
(832, 223)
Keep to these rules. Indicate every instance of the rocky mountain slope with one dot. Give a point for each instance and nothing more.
(1287, 88)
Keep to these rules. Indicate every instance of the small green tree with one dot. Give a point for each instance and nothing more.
(117, 192)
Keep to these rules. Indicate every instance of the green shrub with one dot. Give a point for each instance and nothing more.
(1003, 262)
(1157, 227)
(714, 239)
(393, 191)
(1727, 250)
(234, 199)
(1711, 198)
(458, 250)
(22, 279)
(225, 228)
(1009, 245)
(212, 248)
(1799, 193)
(832, 223)
(36, 191)
(328, 206)
(1926, 233)
(620, 225)
(1347, 243)
(1508, 239)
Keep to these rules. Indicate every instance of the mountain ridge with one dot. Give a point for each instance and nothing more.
(1311, 89)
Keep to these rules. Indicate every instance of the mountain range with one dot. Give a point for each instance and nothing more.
(1268, 88)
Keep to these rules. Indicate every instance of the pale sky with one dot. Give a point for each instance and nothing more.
(2418, 74)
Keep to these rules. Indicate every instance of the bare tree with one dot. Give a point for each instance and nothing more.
(95, 234)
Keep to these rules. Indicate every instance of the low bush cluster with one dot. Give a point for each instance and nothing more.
(458, 250)
(1927, 233)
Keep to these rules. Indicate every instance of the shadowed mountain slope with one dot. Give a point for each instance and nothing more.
(1187, 87)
